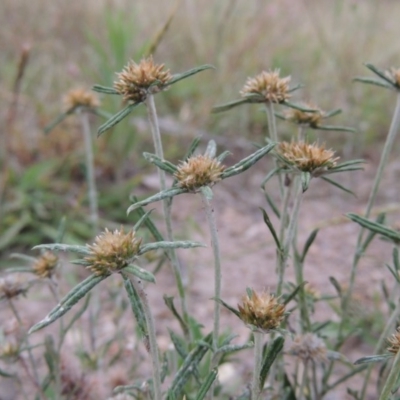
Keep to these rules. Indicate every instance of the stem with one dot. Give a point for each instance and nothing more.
(294, 217)
(155, 131)
(274, 136)
(394, 127)
(258, 347)
(217, 267)
(90, 174)
(392, 379)
(303, 382)
(155, 362)
(381, 340)
(300, 133)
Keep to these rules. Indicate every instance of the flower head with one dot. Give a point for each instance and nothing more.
(12, 286)
(199, 171)
(262, 311)
(112, 251)
(45, 265)
(136, 81)
(305, 157)
(80, 98)
(309, 347)
(9, 351)
(394, 342)
(312, 119)
(269, 85)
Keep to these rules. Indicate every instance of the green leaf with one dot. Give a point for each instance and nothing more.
(338, 185)
(380, 220)
(309, 242)
(104, 89)
(380, 73)
(373, 81)
(232, 348)
(299, 107)
(69, 301)
(211, 149)
(157, 197)
(269, 176)
(271, 229)
(64, 247)
(336, 128)
(178, 244)
(192, 148)
(294, 88)
(162, 164)
(228, 106)
(207, 192)
(204, 388)
(115, 119)
(223, 155)
(305, 180)
(272, 204)
(373, 359)
(292, 295)
(332, 113)
(169, 301)
(16, 270)
(179, 344)
(48, 128)
(227, 306)
(336, 285)
(376, 227)
(140, 273)
(190, 72)
(9, 235)
(273, 349)
(142, 220)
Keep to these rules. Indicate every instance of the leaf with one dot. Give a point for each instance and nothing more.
(207, 192)
(272, 352)
(69, 301)
(380, 73)
(373, 81)
(336, 285)
(104, 89)
(223, 155)
(271, 229)
(338, 185)
(232, 348)
(292, 295)
(142, 220)
(48, 128)
(179, 244)
(179, 344)
(64, 247)
(299, 107)
(202, 392)
(228, 106)
(336, 128)
(305, 180)
(178, 77)
(192, 148)
(272, 204)
(140, 273)
(380, 220)
(373, 359)
(332, 113)
(115, 119)
(227, 306)
(309, 242)
(159, 196)
(162, 164)
(169, 301)
(211, 149)
(12, 232)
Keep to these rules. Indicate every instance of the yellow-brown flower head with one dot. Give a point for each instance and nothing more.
(112, 251)
(136, 81)
(45, 265)
(269, 85)
(262, 311)
(312, 119)
(80, 98)
(12, 286)
(9, 351)
(199, 171)
(309, 347)
(394, 75)
(312, 158)
(394, 342)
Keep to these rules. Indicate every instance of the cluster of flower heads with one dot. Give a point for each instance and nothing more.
(112, 251)
(262, 311)
(199, 171)
(268, 84)
(136, 81)
(306, 157)
(80, 98)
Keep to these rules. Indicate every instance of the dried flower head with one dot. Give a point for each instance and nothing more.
(80, 98)
(312, 119)
(311, 291)
(45, 265)
(269, 85)
(394, 342)
(199, 171)
(9, 351)
(12, 286)
(136, 81)
(112, 251)
(309, 347)
(312, 158)
(262, 311)
(394, 75)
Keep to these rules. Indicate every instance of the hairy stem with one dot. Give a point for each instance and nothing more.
(258, 347)
(391, 379)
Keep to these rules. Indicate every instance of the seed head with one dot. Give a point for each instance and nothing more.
(199, 171)
(136, 81)
(312, 119)
(262, 311)
(309, 347)
(12, 286)
(80, 98)
(269, 85)
(307, 157)
(45, 265)
(394, 75)
(394, 342)
(112, 251)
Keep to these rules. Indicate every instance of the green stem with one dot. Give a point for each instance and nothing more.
(155, 130)
(391, 379)
(394, 127)
(303, 382)
(389, 326)
(155, 361)
(90, 174)
(217, 267)
(258, 353)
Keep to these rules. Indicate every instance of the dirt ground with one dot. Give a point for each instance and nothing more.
(248, 260)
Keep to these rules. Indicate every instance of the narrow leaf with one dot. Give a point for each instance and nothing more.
(207, 192)
(223, 155)
(292, 295)
(142, 220)
(373, 81)
(338, 185)
(179, 244)
(305, 180)
(64, 247)
(162, 164)
(232, 348)
(272, 204)
(179, 344)
(140, 273)
(190, 72)
(309, 242)
(373, 359)
(169, 301)
(228, 106)
(336, 128)
(104, 89)
(380, 220)
(202, 392)
(115, 119)
(379, 72)
(299, 107)
(192, 148)
(211, 150)
(272, 352)
(6, 374)
(58, 120)
(271, 229)
(336, 285)
(332, 113)
(227, 306)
